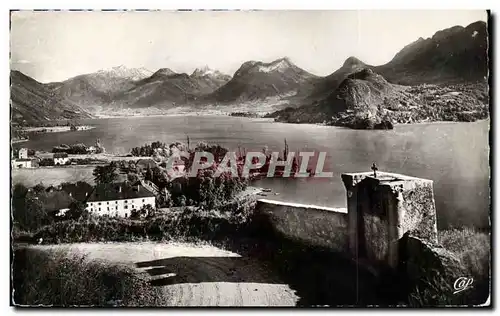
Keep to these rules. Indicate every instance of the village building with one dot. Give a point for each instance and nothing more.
(24, 163)
(97, 149)
(58, 200)
(23, 160)
(23, 153)
(119, 199)
(80, 190)
(60, 158)
(91, 150)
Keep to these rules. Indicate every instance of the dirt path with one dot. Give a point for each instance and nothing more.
(192, 275)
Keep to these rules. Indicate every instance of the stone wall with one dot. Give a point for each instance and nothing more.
(421, 260)
(418, 212)
(308, 224)
(382, 209)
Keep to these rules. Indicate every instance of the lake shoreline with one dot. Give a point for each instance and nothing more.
(432, 151)
(56, 129)
(16, 141)
(271, 120)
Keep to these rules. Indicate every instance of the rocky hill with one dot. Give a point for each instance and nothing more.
(366, 100)
(33, 102)
(439, 78)
(454, 55)
(324, 86)
(256, 80)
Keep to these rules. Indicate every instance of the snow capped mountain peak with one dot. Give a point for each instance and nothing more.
(122, 71)
(119, 68)
(208, 72)
(205, 71)
(278, 65)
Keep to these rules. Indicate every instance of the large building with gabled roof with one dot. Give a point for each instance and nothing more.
(119, 199)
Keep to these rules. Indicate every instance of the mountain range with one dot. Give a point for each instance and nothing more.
(454, 56)
(256, 80)
(454, 61)
(33, 102)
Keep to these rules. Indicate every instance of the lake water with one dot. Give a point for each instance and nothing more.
(454, 155)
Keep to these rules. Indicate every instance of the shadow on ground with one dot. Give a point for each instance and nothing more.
(178, 270)
(318, 276)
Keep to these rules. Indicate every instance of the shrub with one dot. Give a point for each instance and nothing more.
(189, 223)
(58, 279)
(473, 249)
(46, 162)
(432, 291)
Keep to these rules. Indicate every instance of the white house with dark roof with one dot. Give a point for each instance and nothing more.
(57, 200)
(23, 153)
(60, 159)
(119, 199)
(24, 161)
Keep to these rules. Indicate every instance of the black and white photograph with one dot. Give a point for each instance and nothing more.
(250, 158)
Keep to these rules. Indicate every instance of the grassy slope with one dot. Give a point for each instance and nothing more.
(367, 95)
(473, 249)
(56, 279)
(32, 101)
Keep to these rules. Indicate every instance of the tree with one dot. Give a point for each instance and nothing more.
(76, 210)
(38, 188)
(181, 200)
(19, 193)
(99, 150)
(136, 151)
(46, 162)
(105, 174)
(160, 177)
(295, 165)
(147, 211)
(77, 149)
(149, 175)
(132, 177)
(30, 215)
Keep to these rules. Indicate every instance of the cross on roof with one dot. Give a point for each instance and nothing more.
(374, 168)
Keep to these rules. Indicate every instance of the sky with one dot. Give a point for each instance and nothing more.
(54, 46)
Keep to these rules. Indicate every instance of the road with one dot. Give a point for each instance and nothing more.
(195, 275)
